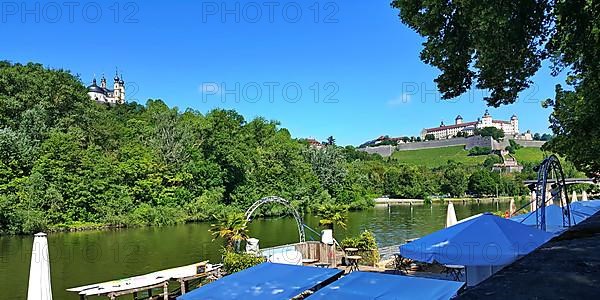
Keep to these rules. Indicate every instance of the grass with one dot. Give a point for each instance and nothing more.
(532, 155)
(436, 157)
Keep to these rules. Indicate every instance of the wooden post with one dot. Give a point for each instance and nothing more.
(166, 291)
(182, 284)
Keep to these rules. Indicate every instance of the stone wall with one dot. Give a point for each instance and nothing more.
(533, 144)
(432, 144)
(385, 151)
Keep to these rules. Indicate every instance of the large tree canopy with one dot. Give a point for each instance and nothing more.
(499, 45)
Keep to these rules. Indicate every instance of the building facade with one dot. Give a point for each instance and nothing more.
(460, 128)
(103, 94)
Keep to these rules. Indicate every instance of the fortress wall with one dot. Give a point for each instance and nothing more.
(533, 144)
(432, 144)
(384, 151)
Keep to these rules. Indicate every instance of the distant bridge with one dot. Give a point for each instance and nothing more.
(568, 181)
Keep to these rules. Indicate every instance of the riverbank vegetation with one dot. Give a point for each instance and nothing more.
(69, 163)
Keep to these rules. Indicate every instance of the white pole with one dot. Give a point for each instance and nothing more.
(450, 215)
(40, 287)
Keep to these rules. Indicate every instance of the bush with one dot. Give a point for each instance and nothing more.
(366, 245)
(475, 151)
(234, 262)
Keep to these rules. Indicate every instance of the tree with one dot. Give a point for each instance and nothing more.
(454, 180)
(500, 45)
(332, 214)
(496, 133)
(330, 141)
(233, 228)
(429, 137)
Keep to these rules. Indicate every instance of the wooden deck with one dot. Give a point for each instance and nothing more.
(148, 283)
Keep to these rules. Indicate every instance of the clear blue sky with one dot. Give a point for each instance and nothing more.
(187, 53)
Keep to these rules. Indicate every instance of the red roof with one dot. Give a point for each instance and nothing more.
(467, 124)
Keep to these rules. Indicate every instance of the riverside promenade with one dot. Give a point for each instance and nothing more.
(567, 267)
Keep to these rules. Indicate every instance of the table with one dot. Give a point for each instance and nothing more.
(455, 271)
(309, 261)
(351, 250)
(353, 262)
(322, 265)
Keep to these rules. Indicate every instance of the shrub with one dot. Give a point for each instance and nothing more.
(235, 262)
(475, 151)
(366, 245)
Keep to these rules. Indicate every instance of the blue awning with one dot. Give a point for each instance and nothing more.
(487, 240)
(264, 281)
(554, 219)
(363, 285)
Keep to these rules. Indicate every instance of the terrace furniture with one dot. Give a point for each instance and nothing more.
(309, 261)
(322, 265)
(454, 271)
(353, 262)
(401, 264)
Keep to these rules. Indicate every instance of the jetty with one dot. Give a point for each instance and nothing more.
(147, 284)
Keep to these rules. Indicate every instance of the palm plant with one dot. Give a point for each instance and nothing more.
(233, 228)
(332, 214)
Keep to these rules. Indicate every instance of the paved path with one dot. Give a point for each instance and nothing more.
(567, 267)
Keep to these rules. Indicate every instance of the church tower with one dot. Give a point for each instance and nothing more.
(117, 88)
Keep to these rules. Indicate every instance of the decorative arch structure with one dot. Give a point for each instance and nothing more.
(551, 185)
(279, 200)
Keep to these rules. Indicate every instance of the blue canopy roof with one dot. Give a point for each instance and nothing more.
(583, 209)
(363, 285)
(487, 240)
(554, 219)
(264, 281)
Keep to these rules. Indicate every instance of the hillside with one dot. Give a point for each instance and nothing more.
(532, 155)
(439, 156)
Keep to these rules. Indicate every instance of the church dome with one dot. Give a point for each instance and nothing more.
(95, 88)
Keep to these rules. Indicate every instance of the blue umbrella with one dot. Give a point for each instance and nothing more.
(554, 219)
(487, 240)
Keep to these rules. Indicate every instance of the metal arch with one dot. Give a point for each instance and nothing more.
(276, 199)
(547, 167)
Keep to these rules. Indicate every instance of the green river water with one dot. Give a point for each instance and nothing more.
(82, 258)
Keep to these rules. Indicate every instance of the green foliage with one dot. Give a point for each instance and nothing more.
(454, 180)
(513, 147)
(332, 214)
(232, 228)
(491, 160)
(475, 151)
(429, 137)
(495, 133)
(500, 45)
(366, 245)
(234, 262)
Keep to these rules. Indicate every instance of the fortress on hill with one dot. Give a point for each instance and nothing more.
(464, 129)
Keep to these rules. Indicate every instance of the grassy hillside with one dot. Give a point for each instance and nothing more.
(438, 156)
(533, 155)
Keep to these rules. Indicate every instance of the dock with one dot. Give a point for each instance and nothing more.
(146, 284)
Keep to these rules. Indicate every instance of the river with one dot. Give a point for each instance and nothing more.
(82, 258)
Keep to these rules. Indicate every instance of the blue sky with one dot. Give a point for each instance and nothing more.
(273, 58)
